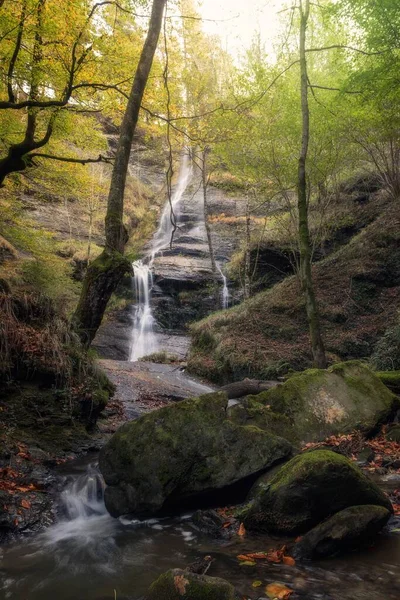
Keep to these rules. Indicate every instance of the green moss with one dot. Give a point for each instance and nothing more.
(391, 379)
(169, 586)
(308, 489)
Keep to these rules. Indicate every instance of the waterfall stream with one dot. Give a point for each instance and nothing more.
(225, 290)
(144, 339)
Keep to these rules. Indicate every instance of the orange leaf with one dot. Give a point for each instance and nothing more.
(278, 590)
(288, 560)
(258, 555)
(25, 503)
(243, 557)
(242, 531)
(180, 584)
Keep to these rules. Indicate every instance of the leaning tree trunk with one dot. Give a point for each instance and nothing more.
(104, 274)
(317, 344)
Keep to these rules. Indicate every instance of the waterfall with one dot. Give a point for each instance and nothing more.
(144, 340)
(84, 496)
(225, 289)
(84, 515)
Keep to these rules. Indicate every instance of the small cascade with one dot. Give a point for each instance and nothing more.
(85, 516)
(225, 290)
(144, 340)
(84, 497)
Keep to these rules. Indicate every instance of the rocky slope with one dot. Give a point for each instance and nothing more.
(358, 289)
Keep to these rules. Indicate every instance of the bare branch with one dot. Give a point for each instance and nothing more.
(81, 161)
(344, 47)
(331, 89)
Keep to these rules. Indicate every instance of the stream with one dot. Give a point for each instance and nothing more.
(87, 554)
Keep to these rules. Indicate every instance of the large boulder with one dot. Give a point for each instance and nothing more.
(346, 530)
(308, 489)
(177, 585)
(317, 403)
(181, 452)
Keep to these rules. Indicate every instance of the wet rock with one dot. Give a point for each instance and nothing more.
(346, 530)
(393, 435)
(317, 403)
(211, 523)
(182, 454)
(308, 489)
(177, 584)
(365, 456)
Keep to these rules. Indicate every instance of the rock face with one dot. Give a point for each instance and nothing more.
(177, 584)
(307, 490)
(183, 452)
(317, 403)
(346, 530)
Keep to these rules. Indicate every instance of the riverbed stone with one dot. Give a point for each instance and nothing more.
(184, 452)
(347, 530)
(177, 584)
(307, 490)
(317, 403)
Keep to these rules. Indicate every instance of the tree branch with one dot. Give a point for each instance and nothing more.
(343, 47)
(81, 161)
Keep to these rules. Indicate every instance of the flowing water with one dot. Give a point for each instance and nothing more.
(88, 555)
(225, 296)
(144, 339)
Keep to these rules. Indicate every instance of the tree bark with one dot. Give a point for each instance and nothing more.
(104, 274)
(247, 256)
(306, 278)
(214, 269)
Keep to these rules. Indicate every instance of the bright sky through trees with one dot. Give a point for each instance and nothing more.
(238, 21)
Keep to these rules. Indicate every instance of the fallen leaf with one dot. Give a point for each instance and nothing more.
(288, 560)
(278, 590)
(256, 583)
(25, 503)
(257, 556)
(242, 531)
(180, 582)
(247, 563)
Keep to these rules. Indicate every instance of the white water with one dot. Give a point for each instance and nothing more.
(144, 339)
(85, 514)
(225, 290)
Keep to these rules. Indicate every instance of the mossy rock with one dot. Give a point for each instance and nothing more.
(308, 489)
(181, 452)
(318, 403)
(347, 530)
(177, 584)
(391, 379)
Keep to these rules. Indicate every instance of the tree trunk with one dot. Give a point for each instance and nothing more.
(104, 274)
(207, 224)
(247, 257)
(317, 344)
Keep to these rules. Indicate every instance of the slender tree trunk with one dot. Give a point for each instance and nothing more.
(247, 257)
(104, 274)
(204, 177)
(317, 344)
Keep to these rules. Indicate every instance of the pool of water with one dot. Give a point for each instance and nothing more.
(87, 555)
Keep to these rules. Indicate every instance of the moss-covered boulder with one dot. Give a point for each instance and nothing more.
(182, 585)
(317, 403)
(182, 451)
(391, 379)
(308, 489)
(347, 530)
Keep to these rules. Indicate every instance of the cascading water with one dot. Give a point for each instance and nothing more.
(144, 339)
(225, 290)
